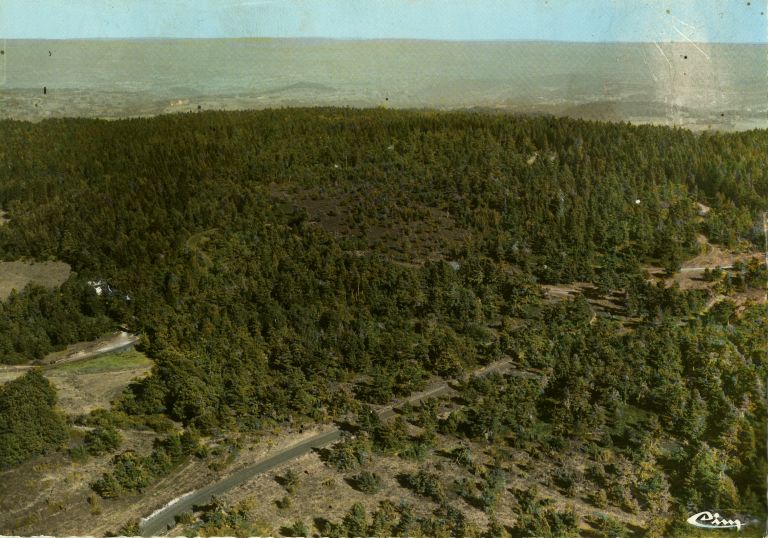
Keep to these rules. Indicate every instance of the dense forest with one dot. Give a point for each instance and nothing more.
(29, 423)
(36, 320)
(273, 257)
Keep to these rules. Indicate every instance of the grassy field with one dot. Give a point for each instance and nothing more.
(93, 383)
(113, 362)
(17, 274)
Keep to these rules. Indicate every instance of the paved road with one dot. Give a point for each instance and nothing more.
(161, 520)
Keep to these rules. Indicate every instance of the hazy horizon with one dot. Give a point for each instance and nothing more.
(687, 84)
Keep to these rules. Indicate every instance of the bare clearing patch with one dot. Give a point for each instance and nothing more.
(17, 274)
(712, 255)
(9, 373)
(691, 274)
(611, 304)
(322, 492)
(689, 277)
(112, 362)
(88, 385)
(192, 475)
(115, 513)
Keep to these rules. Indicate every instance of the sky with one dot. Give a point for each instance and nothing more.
(730, 21)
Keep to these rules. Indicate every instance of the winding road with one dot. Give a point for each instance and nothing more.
(162, 519)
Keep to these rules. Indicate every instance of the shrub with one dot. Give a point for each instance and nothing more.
(299, 528)
(290, 481)
(102, 440)
(368, 482)
(350, 454)
(426, 484)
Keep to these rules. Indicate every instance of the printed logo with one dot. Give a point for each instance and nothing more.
(710, 520)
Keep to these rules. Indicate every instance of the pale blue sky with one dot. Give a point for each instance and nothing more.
(562, 20)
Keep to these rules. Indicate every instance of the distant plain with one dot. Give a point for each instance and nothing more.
(698, 86)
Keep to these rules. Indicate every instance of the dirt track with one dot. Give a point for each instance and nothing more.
(119, 341)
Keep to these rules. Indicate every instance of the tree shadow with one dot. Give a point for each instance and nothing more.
(444, 453)
(323, 453)
(347, 427)
(404, 480)
(321, 524)
(353, 483)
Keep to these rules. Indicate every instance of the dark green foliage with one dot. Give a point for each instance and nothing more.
(37, 320)
(101, 440)
(608, 527)
(29, 423)
(231, 279)
(277, 258)
(400, 520)
(367, 482)
(383, 519)
(417, 448)
(298, 529)
(425, 483)
(390, 437)
(350, 454)
(290, 481)
(107, 418)
(386, 437)
(79, 454)
(492, 489)
(130, 528)
(285, 503)
(496, 406)
(356, 521)
(541, 520)
(131, 472)
(219, 520)
(463, 456)
(644, 298)
(185, 518)
(108, 486)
